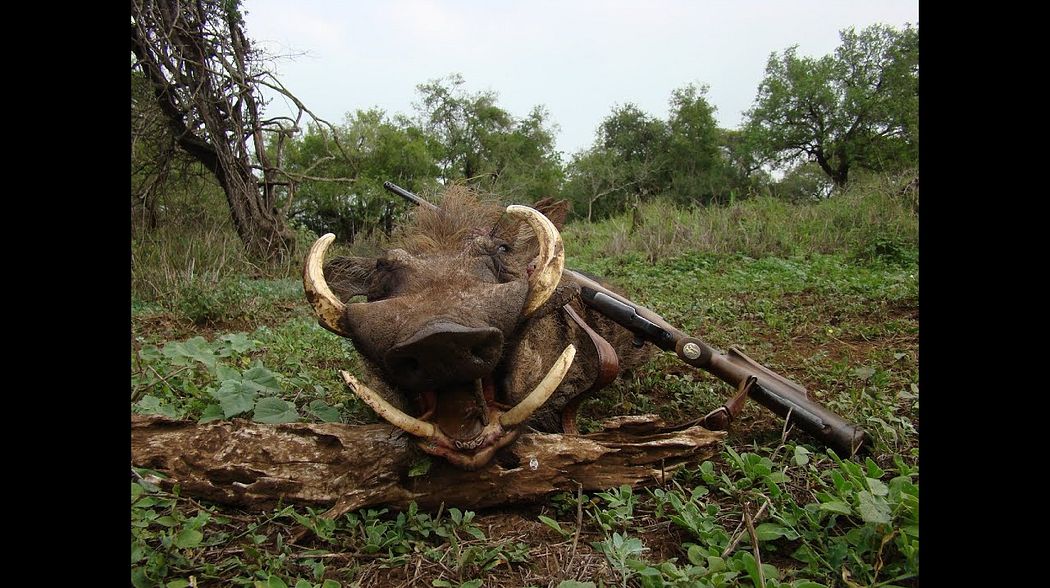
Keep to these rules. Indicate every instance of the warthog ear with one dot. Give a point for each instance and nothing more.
(557, 212)
(349, 276)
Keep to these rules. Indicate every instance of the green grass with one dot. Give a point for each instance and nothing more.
(870, 220)
(826, 294)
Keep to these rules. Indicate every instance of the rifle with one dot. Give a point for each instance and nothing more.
(784, 397)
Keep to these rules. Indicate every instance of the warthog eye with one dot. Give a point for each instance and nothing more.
(385, 280)
(499, 266)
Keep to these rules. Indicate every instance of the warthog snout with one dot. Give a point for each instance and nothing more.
(444, 353)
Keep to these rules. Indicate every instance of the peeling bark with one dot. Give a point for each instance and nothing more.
(347, 467)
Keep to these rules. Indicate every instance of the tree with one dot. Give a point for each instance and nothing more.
(205, 78)
(597, 183)
(167, 184)
(698, 170)
(625, 165)
(343, 194)
(639, 141)
(856, 108)
(476, 141)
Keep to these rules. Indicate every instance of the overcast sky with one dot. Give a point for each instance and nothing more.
(578, 58)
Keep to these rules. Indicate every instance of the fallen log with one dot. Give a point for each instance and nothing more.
(347, 467)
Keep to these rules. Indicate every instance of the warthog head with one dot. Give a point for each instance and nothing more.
(460, 325)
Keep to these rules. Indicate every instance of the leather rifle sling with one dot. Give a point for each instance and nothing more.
(608, 369)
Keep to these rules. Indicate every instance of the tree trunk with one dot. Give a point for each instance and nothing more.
(198, 64)
(356, 466)
(259, 225)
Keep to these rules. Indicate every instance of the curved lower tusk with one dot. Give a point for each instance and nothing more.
(387, 411)
(328, 308)
(550, 261)
(542, 392)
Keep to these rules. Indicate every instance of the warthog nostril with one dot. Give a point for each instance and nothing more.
(445, 352)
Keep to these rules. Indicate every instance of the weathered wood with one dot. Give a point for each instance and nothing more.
(347, 467)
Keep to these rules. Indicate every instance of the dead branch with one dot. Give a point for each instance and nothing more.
(347, 467)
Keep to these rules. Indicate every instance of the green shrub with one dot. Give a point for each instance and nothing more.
(209, 304)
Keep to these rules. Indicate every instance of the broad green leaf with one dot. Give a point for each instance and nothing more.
(872, 509)
(331, 584)
(806, 584)
(139, 579)
(801, 455)
(471, 584)
(167, 521)
(224, 372)
(575, 584)
(877, 487)
(271, 582)
(778, 477)
(180, 583)
(150, 353)
(274, 410)
(475, 533)
(238, 342)
(212, 412)
(874, 471)
(153, 405)
(771, 531)
(138, 551)
(750, 566)
(186, 352)
(188, 538)
(235, 397)
(261, 379)
(136, 491)
(836, 506)
(696, 555)
(303, 584)
(841, 485)
(323, 412)
(651, 577)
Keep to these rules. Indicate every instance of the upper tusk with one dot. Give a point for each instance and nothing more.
(542, 392)
(328, 308)
(550, 261)
(387, 411)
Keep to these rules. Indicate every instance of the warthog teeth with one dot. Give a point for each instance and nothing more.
(543, 390)
(550, 261)
(327, 306)
(387, 411)
(469, 445)
(513, 417)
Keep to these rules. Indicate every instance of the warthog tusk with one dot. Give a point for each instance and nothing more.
(550, 261)
(387, 411)
(542, 392)
(327, 306)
